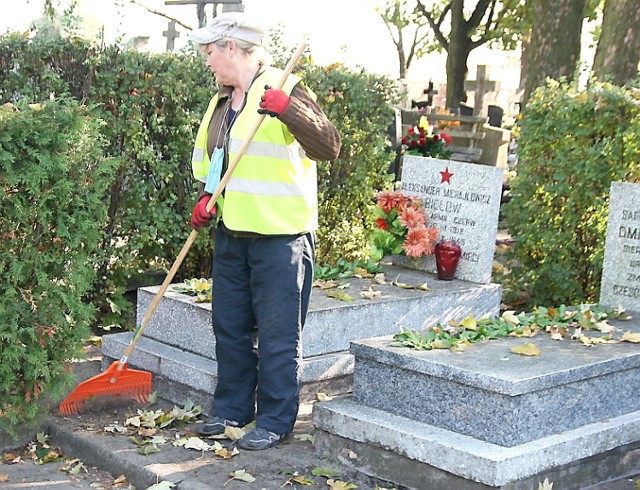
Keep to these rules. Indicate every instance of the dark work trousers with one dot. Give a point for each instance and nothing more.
(261, 289)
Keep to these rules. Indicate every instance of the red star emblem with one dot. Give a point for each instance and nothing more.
(446, 176)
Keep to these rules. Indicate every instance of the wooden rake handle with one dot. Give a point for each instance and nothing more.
(214, 197)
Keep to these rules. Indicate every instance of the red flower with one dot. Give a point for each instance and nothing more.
(381, 223)
(446, 137)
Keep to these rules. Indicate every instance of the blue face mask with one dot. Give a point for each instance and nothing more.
(215, 170)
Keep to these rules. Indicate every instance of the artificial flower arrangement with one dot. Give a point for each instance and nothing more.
(425, 140)
(402, 227)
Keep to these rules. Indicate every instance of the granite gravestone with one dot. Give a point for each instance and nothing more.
(463, 201)
(621, 269)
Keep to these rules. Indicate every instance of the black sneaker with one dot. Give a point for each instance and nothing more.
(258, 439)
(215, 426)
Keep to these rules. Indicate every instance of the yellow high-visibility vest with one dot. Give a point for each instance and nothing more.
(273, 189)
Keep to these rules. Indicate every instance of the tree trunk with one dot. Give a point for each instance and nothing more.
(618, 51)
(457, 56)
(554, 49)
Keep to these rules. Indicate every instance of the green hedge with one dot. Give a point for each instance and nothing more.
(152, 104)
(54, 180)
(573, 144)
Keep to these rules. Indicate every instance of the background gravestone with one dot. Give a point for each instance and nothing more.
(621, 269)
(463, 201)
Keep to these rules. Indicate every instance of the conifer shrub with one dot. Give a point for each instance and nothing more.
(53, 183)
(573, 144)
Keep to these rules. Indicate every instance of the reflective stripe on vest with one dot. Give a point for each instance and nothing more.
(273, 190)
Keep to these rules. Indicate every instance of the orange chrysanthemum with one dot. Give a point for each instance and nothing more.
(411, 217)
(388, 200)
(420, 241)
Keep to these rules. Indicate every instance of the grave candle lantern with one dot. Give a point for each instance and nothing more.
(448, 254)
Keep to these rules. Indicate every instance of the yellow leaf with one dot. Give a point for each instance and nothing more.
(526, 350)
(510, 317)
(469, 323)
(379, 278)
(340, 295)
(233, 433)
(323, 397)
(360, 272)
(340, 485)
(371, 293)
(4, 477)
(633, 337)
(227, 453)
(584, 340)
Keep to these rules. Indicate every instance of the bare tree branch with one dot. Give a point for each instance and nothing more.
(161, 14)
(435, 26)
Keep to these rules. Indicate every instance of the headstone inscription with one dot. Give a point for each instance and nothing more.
(463, 201)
(620, 285)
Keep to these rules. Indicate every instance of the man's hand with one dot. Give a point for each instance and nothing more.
(273, 102)
(199, 215)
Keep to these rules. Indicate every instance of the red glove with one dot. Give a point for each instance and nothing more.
(199, 215)
(273, 102)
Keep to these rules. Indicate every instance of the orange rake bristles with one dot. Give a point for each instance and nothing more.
(116, 380)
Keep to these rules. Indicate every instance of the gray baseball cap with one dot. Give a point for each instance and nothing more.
(235, 25)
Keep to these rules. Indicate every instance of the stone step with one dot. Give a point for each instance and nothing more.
(491, 394)
(180, 330)
(416, 455)
(179, 375)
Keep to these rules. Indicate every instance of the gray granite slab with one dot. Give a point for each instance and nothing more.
(332, 324)
(621, 268)
(491, 394)
(457, 454)
(463, 201)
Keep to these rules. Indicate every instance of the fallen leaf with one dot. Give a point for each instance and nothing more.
(226, 453)
(469, 323)
(114, 428)
(604, 327)
(545, 485)
(340, 485)
(510, 317)
(340, 295)
(121, 479)
(379, 278)
(304, 437)
(10, 458)
(233, 433)
(325, 472)
(323, 397)
(4, 477)
(163, 485)
(631, 337)
(371, 293)
(323, 284)
(242, 475)
(302, 480)
(148, 449)
(147, 432)
(526, 350)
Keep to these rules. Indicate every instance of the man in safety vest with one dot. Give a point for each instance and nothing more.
(265, 227)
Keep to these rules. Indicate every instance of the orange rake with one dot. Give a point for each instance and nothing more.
(118, 379)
